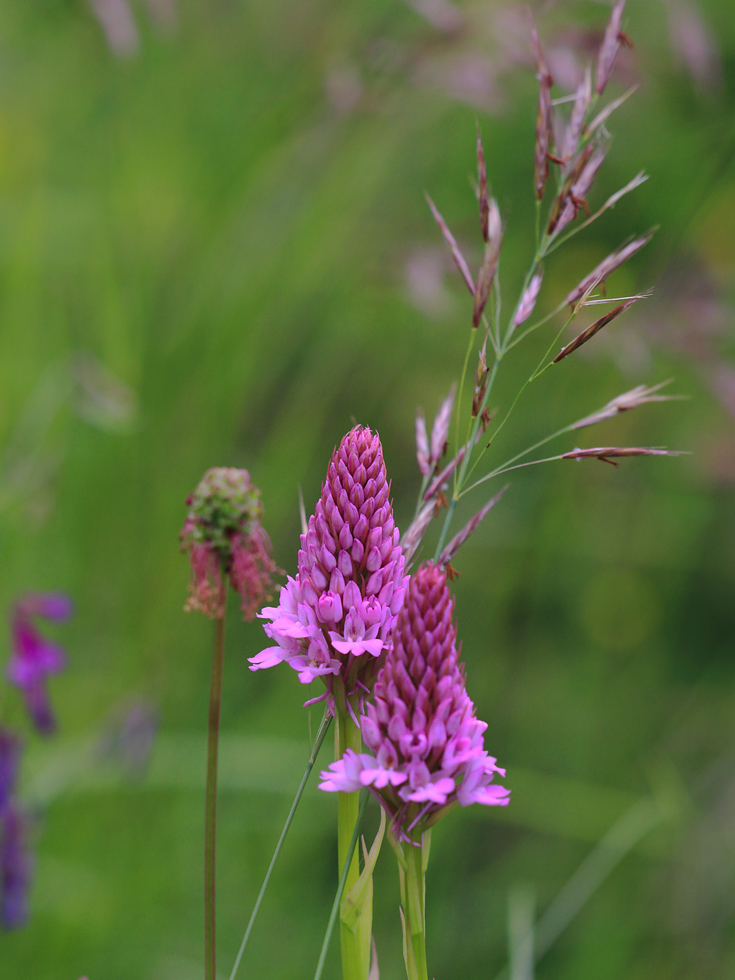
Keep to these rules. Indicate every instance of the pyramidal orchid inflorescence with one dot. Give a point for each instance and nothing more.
(336, 617)
(223, 536)
(427, 743)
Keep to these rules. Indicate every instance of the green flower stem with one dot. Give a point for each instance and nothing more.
(341, 886)
(355, 964)
(210, 821)
(323, 728)
(413, 901)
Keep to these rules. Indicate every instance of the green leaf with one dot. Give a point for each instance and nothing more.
(354, 902)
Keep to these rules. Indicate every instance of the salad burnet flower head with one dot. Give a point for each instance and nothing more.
(336, 617)
(427, 743)
(223, 536)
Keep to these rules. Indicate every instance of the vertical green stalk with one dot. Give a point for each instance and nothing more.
(340, 888)
(413, 901)
(210, 820)
(355, 961)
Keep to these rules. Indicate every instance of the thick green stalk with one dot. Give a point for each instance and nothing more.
(341, 887)
(413, 902)
(210, 820)
(355, 961)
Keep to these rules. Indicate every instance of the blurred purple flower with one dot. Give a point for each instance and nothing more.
(129, 740)
(9, 755)
(15, 867)
(428, 744)
(694, 43)
(118, 25)
(336, 617)
(33, 656)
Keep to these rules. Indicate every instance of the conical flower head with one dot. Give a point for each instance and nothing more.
(428, 744)
(224, 537)
(336, 617)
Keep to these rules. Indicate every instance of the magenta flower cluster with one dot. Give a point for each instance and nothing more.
(34, 657)
(15, 866)
(9, 758)
(335, 619)
(14, 858)
(427, 743)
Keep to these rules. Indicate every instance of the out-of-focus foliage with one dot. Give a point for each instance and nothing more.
(215, 250)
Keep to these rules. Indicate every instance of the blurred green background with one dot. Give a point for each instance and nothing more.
(215, 250)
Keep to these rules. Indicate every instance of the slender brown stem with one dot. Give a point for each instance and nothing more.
(210, 822)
